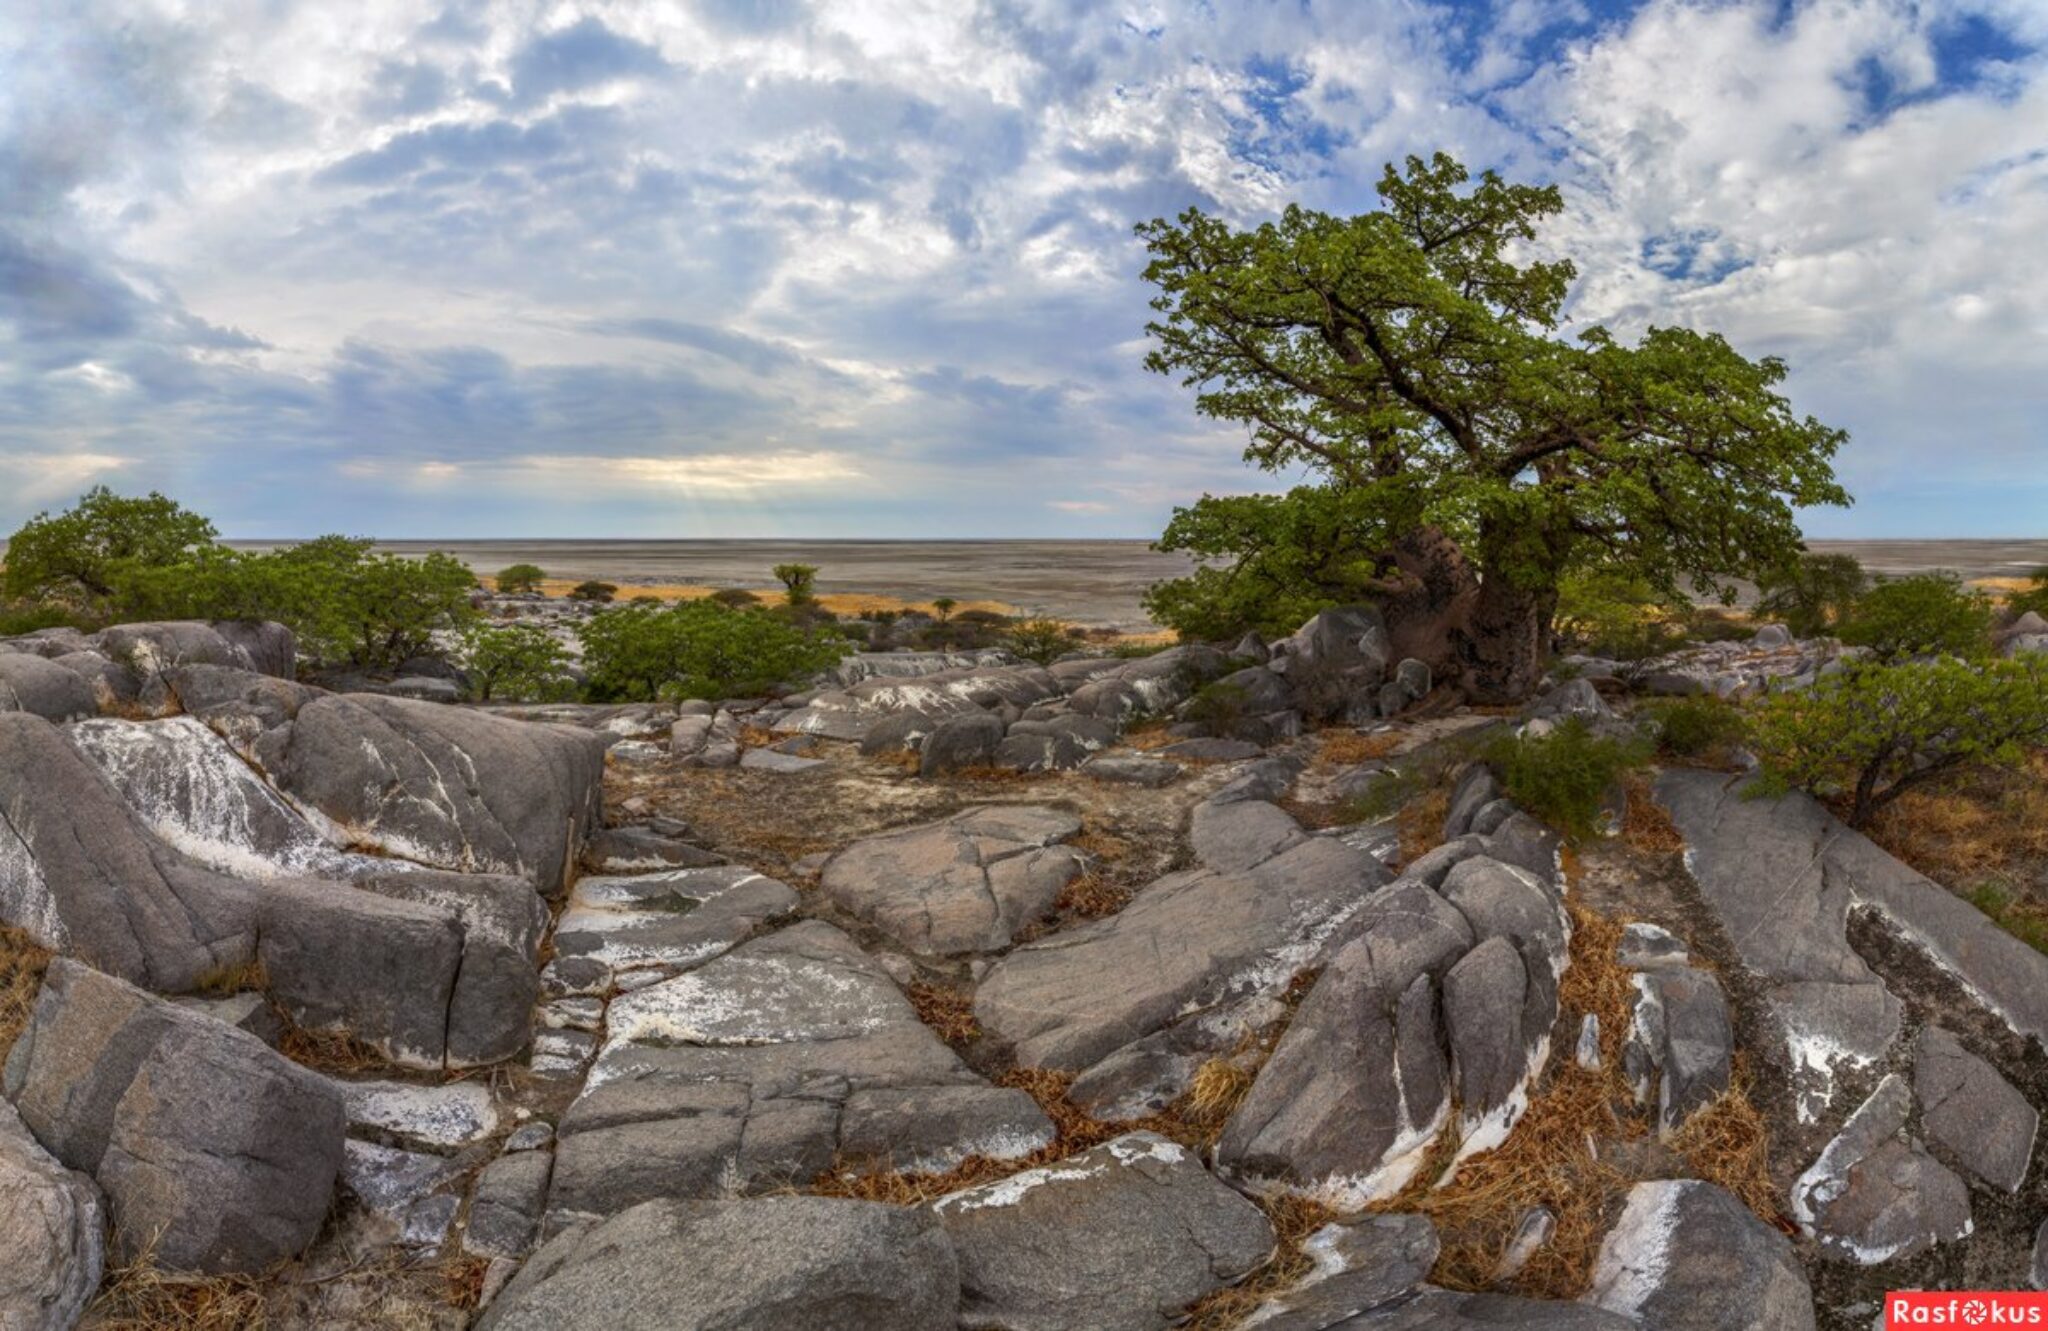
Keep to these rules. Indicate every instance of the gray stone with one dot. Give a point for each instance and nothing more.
(736, 1076)
(1212, 750)
(1971, 1111)
(643, 849)
(456, 1114)
(51, 1230)
(1575, 697)
(44, 688)
(1039, 751)
(1413, 676)
(769, 760)
(930, 1129)
(245, 1011)
(1355, 1267)
(154, 652)
(1120, 1238)
(667, 921)
(2037, 1270)
(448, 787)
(1689, 1256)
(1267, 779)
(506, 1205)
(530, 1137)
(1682, 1039)
(766, 1264)
(966, 884)
(206, 1142)
(967, 740)
(897, 732)
(1874, 1194)
(1131, 770)
(1646, 946)
(1442, 1310)
(1188, 942)
(1236, 836)
(1771, 637)
(1483, 999)
(1335, 664)
(1359, 1086)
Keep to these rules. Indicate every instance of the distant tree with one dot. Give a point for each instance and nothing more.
(1408, 357)
(518, 578)
(1923, 614)
(943, 606)
(1042, 640)
(1812, 593)
(799, 582)
(595, 591)
(2033, 597)
(735, 598)
(77, 557)
(697, 649)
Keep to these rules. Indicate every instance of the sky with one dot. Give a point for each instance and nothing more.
(826, 268)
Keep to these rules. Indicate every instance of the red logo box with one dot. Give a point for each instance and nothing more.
(1988, 1308)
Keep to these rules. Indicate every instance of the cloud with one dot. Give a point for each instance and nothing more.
(867, 269)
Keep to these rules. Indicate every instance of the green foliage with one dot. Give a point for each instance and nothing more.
(29, 618)
(75, 558)
(1700, 726)
(1608, 612)
(799, 582)
(1410, 360)
(592, 590)
(1811, 594)
(735, 598)
(697, 649)
(1041, 640)
(2033, 597)
(515, 663)
(516, 578)
(2023, 919)
(1565, 776)
(1922, 615)
(1869, 732)
(1219, 707)
(943, 606)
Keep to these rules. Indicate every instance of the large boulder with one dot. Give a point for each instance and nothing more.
(445, 786)
(759, 1068)
(1336, 663)
(1972, 1112)
(660, 923)
(966, 884)
(51, 1229)
(1689, 1256)
(1356, 1267)
(153, 652)
(760, 1265)
(1192, 942)
(44, 688)
(214, 1152)
(1120, 1238)
(1680, 1038)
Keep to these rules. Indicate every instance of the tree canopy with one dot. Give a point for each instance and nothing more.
(78, 556)
(1410, 359)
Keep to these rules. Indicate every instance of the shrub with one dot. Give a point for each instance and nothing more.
(1812, 593)
(600, 593)
(1925, 614)
(1696, 727)
(2033, 597)
(515, 578)
(799, 582)
(1219, 707)
(28, 618)
(697, 649)
(1042, 640)
(515, 663)
(735, 598)
(76, 558)
(1869, 732)
(943, 606)
(1564, 777)
(1607, 613)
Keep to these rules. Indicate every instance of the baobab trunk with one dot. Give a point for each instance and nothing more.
(1487, 637)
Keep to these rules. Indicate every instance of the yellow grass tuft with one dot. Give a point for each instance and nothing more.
(1347, 748)
(22, 963)
(1646, 826)
(1091, 896)
(1420, 822)
(1293, 1219)
(948, 1011)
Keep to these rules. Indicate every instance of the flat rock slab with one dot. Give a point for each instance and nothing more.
(1971, 1111)
(208, 1144)
(759, 1068)
(765, 1264)
(1120, 1238)
(1875, 1194)
(1187, 942)
(51, 1221)
(1689, 1256)
(1444, 1310)
(1356, 1267)
(668, 921)
(443, 1117)
(966, 884)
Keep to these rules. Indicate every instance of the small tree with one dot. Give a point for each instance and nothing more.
(735, 598)
(77, 557)
(799, 582)
(1609, 613)
(1811, 594)
(515, 662)
(1042, 640)
(1869, 732)
(943, 606)
(1408, 358)
(599, 593)
(518, 578)
(697, 649)
(1922, 615)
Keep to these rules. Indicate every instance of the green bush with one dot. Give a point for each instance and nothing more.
(1700, 726)
(735, 598)
(599, 592)
(799, 582)
(2033, 597)
(1042, 640)
(1926, 614)
(29, 618)
(1868, 732)
(516, 578)
(1564, 777)
(1812, 594)
(697, 649)
(515, 663)
(943, 606)
(1219, 707)
(1607, 613)
(76, 558)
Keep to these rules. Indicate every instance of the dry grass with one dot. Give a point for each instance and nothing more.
(1294, 1219)
(139, 1297)
(1421, 822)
(1147, 736)
(758, 737)
(1985, 824)
(331, 1052)
(1101, 845)
(1347, 748)
(1646, 826)
(1727, 1143)
(1091, 896)
(223, 981)
(1218, 1088)
(948, 1011)
(22, 963)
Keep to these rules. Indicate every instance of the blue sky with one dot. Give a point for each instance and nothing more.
(845, 267)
